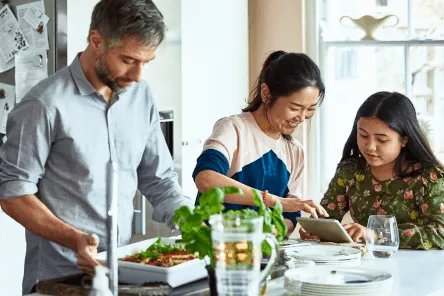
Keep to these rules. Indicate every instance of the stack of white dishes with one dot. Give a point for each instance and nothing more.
(325, 254)
(337, 281)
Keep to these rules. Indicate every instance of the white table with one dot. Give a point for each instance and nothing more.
(415, 273)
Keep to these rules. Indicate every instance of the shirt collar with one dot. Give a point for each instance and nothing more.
(84, 86)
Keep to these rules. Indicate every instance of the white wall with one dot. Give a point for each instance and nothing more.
(163, 74)
(214, 72)
(78, 20)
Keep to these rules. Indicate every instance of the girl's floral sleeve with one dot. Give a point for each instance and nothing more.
(427, 229)
(335, 199)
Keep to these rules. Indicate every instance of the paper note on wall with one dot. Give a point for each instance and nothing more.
(35, 39)
(7, 102)
(12, 38)
(31, 67)
(6, 66)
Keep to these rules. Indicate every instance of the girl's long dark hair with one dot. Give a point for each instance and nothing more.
(285, 73)
(398, 112)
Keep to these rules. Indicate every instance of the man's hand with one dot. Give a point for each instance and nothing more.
(307, 236)
(356, 231)
(86, 250)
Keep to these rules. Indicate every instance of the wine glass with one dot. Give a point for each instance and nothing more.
(382, 237)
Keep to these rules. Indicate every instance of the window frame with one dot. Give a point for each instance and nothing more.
(317, 49)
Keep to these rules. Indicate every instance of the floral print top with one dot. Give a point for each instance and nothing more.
(417, 201)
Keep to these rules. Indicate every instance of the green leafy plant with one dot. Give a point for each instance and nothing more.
(196, 235)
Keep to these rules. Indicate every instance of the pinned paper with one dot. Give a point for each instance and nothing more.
(7, 102)
(31, 67)
(36, 18)
(12, 38)
(34, 38)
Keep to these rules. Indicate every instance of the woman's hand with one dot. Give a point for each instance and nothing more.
(269, 199)
(292, 204)
(307, 236)
(356, 231)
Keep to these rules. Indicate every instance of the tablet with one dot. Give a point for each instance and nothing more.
(328, 230)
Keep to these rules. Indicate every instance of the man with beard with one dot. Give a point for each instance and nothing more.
(62, 136)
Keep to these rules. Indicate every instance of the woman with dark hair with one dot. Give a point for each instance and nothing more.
(388, 167)
(255, 150)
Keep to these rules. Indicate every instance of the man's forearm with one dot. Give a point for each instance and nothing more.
(30, 212)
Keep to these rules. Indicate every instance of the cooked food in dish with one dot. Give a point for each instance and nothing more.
(159, 254)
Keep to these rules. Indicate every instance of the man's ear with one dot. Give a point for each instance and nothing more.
(265, 93)
(97, 43)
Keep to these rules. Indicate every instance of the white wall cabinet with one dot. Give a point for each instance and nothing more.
(201, 73)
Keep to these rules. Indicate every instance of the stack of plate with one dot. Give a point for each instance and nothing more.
(325, 255)
(337, 281)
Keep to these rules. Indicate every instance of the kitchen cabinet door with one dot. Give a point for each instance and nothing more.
(12, 255)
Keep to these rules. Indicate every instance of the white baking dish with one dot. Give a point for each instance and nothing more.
(137, 273)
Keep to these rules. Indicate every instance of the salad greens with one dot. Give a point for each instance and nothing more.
(196, 235)
(158, 247)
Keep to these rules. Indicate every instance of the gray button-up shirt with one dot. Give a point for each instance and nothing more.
(60, 139)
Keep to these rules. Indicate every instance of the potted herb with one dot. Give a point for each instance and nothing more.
(196, 234)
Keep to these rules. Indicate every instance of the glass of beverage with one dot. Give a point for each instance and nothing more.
(382, 238)
(237, 245)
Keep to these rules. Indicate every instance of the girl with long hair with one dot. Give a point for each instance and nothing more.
(388, 168)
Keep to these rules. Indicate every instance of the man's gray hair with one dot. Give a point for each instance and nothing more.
(119, 19)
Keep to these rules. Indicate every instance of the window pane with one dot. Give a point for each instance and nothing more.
(333, 10)
(352, 74)
(428, 19)
(427, 64)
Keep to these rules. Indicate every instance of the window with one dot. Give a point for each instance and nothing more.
(346, 63)
(382, 3)
(407, 56)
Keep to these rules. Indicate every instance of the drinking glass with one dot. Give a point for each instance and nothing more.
(237, 246)
(382, 238)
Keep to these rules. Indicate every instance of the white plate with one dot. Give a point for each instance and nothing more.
(136, 273)
(323, 253)
(345, 277)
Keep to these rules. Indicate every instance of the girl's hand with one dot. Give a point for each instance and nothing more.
(307, 236)
(356, 231)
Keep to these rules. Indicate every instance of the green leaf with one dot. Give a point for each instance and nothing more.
(212, 197)
(197, 237)
(148, 254)
(257, 199)
(181, 213)
(278, 207)
(266, 248)
(267, 228)
(159, 247)
(278, 221)
(232, 190)
(281, 227)
(249, 214)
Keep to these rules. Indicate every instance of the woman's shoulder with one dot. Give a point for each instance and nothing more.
(238, 121)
